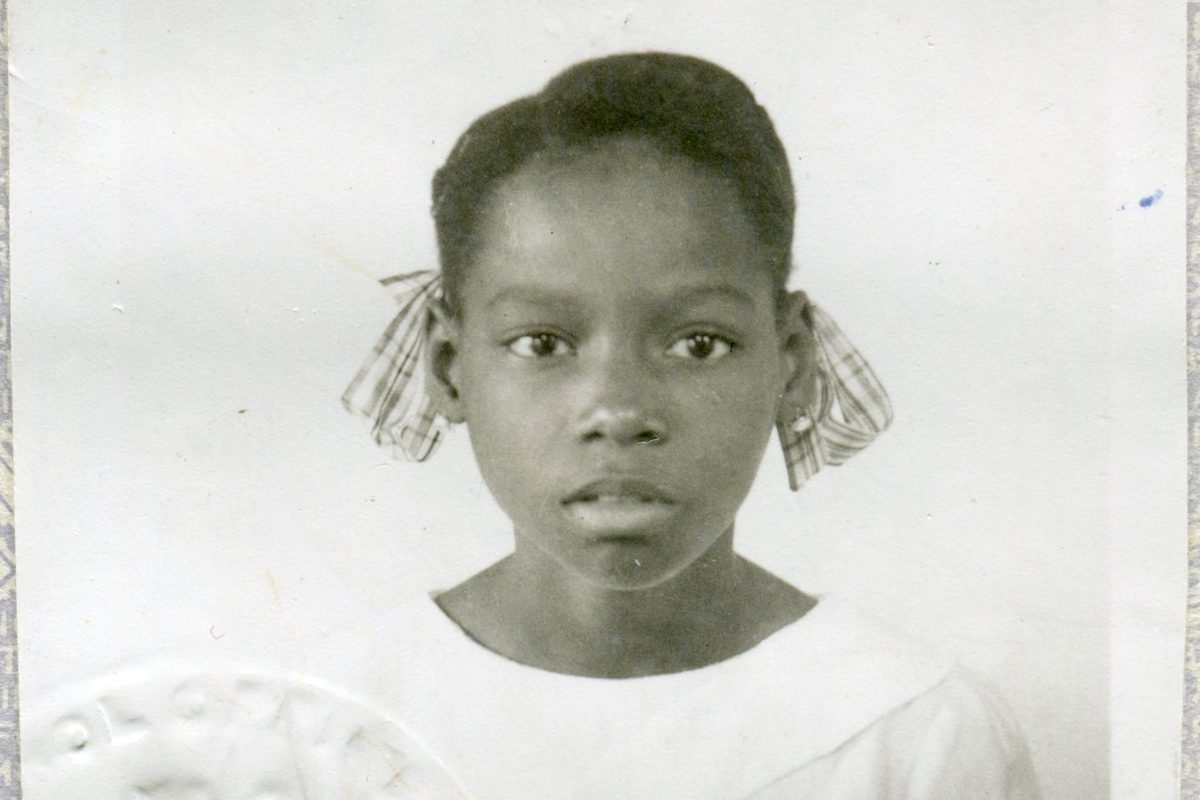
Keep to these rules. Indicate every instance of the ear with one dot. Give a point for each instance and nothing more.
(799, 350)
(441, 358)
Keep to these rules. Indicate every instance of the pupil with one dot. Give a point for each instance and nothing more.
(543, 344)
(702, 346)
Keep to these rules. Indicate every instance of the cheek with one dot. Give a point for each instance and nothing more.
(728, 427)
(503, 403)
(510, 423)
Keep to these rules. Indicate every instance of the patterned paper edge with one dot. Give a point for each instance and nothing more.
(1190, 755)
(10, 750)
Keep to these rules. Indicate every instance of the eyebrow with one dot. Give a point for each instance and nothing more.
(530, 295)
(537, 295)
(720, 290)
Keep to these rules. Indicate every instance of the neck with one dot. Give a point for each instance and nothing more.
(569, 625)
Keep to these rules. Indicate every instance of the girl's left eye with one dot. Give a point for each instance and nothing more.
(539, 345)
(701, 347)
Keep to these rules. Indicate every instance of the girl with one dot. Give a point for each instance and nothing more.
(612, 324)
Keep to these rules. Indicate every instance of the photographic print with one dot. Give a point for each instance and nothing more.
(605, 400)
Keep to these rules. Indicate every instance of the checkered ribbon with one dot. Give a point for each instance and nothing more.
(389, 388)
(850, 409)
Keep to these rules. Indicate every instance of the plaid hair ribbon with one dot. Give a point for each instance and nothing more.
(850, 409)
(389, 388)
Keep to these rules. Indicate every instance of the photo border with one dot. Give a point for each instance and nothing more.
(1190, 745)
(10, 740)
(10, 757)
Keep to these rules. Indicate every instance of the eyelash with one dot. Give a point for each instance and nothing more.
(529, 341)
(712, 340)
(527, 346)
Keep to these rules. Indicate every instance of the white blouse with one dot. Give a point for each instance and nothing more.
(834, 706)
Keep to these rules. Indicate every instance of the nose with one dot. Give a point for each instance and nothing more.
(622, 405)
(623, 426)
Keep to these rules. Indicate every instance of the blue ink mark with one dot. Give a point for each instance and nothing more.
(1146, 202)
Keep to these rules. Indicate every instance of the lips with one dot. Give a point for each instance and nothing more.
(609, 491)
(619, 507)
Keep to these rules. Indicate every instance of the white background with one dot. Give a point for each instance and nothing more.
(204, 194)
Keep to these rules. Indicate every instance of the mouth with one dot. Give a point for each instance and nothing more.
(619, 491)
(619, 506)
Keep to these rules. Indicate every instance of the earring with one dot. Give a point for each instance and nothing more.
(801, 421)
(800, 439)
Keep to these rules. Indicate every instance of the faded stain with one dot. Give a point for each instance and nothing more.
(274, 591)
(343, 259)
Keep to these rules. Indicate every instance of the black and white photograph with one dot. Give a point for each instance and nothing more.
(563, 400)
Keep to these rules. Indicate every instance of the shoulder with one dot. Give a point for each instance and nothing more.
(842, 645)
(902, 720)
(941, 696)
(960, 740)
(813, 687)
(964, 705)
(953, 741)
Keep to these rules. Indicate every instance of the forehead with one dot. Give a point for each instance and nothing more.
(621, 219)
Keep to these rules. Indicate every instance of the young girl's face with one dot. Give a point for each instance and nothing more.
(617, 360)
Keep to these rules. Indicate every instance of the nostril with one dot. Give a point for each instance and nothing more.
(621, 427)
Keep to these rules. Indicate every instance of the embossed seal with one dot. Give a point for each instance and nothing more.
(170, 733)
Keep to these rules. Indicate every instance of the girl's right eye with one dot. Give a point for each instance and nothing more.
(540, 345)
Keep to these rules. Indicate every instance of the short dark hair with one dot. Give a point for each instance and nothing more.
(684, 105)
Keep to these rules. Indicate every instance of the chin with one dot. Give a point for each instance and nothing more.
(628, 574)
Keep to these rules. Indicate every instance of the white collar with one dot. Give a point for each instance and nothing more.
(721, 730)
